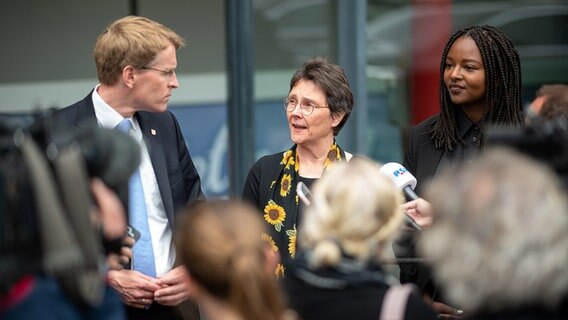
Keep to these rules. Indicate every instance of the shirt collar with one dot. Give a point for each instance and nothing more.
(106, 116)
(463, 122)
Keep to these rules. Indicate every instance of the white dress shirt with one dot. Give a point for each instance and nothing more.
(160, 231)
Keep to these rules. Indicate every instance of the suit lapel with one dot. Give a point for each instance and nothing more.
(426, 167)
(85, 112)
(156, 151)
(85, 115)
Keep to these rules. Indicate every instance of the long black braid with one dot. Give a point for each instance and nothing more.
(503, 85)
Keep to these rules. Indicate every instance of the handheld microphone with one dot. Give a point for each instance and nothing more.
(402, 178)
(404, 181)
(304, 193)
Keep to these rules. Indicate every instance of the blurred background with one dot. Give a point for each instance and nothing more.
(46, 62)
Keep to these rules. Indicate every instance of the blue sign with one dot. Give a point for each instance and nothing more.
(206, 133)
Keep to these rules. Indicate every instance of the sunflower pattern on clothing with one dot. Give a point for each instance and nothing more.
(281, 210)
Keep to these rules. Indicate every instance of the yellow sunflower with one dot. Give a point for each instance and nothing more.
(332, 156)
(279, 272)
(334, 153)
(292, 241)
(286, 157)
(274, 214)
(270, 241)
(327, 164)
(290, 162)
(285, 185)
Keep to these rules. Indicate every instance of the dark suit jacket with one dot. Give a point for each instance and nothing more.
(178, 180)
(421, 159)
(177, 177)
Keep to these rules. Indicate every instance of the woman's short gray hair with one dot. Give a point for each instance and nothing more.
(499, 239)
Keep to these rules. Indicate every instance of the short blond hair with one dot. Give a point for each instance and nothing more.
(134, 41)
(355, 209)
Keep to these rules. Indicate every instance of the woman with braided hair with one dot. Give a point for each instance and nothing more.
(480, 84)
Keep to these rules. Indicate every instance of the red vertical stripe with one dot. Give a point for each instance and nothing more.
(431, 27)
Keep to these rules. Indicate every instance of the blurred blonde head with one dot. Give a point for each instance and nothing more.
(499, 240)
(221, 246)
(355, 210)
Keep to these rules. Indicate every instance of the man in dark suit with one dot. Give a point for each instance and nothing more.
(136, 61)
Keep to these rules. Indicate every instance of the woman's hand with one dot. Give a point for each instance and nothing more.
(420, 210)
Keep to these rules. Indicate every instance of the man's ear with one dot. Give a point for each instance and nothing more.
(128, 76)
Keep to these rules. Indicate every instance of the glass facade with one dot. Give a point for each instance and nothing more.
(47, 61)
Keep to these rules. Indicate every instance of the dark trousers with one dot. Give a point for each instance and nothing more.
(186, 311)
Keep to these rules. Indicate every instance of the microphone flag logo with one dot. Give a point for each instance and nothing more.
(399, 172)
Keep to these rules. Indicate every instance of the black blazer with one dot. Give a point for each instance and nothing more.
(422, 157)
(176, 175)
(178, 180)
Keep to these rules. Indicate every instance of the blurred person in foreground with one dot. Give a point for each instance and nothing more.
(498, 243)
(541, 96)
(136, 65)
(318, 105)
(354, 214)
(556, 104)
(546, 137)
(52, 251)
(480, 86)
(230, 265)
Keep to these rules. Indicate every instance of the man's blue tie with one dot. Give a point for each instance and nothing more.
(142, 252)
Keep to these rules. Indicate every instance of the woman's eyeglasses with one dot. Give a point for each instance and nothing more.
(306, 106)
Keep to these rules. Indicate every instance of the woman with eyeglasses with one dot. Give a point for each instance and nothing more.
(318, 105)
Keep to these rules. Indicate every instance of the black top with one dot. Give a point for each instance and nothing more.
(523, 313)
(469, 134)
(271, 187)
(348, 291)
(425, 161)
(309, 182)
(258, 192)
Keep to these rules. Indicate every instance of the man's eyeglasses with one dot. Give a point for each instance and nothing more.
(307, 107)
(165, 73)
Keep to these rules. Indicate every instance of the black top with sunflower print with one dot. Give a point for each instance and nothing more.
(271, 187)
